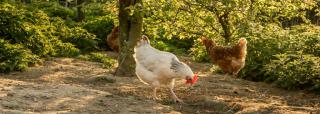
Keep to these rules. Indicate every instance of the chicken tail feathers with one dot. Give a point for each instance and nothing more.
(242, 42)
(143, 41)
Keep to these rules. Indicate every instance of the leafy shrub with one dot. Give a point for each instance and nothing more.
(180, 43)
(295, 71)
(309, 38)
(101, 27)
(15, 57)
(165, 46)
(33, 29)
(11, 20)
(265, 42)
(38, 39)
(275, 55)
(66, 50)
(215, 70)
(28, 35)
(106, 61)
(78, 36)
(54, 9)
(93, 10)
(26, 28)
(199, 52)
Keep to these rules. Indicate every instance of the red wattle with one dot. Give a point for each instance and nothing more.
(194, 80)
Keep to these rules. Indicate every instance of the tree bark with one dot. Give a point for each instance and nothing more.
(224, 21)
(130, 31)
(80, 13)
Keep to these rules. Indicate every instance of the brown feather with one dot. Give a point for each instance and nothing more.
(231, 59)
(112, 39)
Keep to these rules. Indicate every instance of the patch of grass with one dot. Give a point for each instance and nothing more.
(168, 102)
(105, 79)
(107, 62)
(216, 70)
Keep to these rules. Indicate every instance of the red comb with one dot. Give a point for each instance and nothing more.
(194, 80)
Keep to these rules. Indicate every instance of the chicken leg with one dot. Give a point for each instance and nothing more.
(155, 97)
(174, 96)
(155, 86)
(225, 76)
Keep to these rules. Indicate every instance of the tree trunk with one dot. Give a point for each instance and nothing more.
(130, 31)
(66, 3)
(224, 21)
(80, 14)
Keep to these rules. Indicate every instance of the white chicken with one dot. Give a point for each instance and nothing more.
(156, 68)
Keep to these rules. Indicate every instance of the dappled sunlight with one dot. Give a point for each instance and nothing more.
(83, 56)
(89, 88)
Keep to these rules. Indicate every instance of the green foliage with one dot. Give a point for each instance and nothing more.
(78, 36)
(25, 27)
(101, 27)
(199, 52)
(100, 19)
(54, 9)
(66, 50)
(15, 57)
(33, 29)
(295, 71)
(216, 70)
(167, 46)
(104, 79)
(309, 38)
(106, 61)
(275, 55)
(278, 33)
(93, 10)
(31, 35)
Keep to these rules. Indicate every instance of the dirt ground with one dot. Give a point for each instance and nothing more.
(71, 86)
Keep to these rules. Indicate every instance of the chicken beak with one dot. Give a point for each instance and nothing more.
(188, 80)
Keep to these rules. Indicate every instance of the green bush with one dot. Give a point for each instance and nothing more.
(294, 71)
(199, 52)
(215, 70)
(35, 30)
(265, 42)
(31, 35)
(101, 27)
(165, 46)
(78, 36)
(274, 55)
(66, 50)
(10, 21)
(93, 10)
(15, 57)
(54, 9)
(20, 26)
(309, 38)
(180, 43)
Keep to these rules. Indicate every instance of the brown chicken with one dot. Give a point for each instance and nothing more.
(113, 39)
(231, 59)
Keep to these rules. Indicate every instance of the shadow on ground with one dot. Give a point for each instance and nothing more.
(73, 86)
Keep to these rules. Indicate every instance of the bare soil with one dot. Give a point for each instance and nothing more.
(71, 86)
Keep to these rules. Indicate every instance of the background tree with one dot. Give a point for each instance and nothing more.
(80, 14)
(130, 24)
(283, 35)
